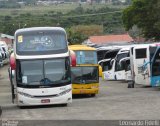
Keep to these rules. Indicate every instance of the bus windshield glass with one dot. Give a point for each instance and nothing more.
(43, 72)
(156, 64)
(41, 42)
(107, 65)
(118, 66)
(122, 55)
(86, 57)
(84, 75)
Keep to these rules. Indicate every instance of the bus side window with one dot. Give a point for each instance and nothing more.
(141, 53)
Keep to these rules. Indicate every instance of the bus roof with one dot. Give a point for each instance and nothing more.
(39, 28)
(80, 47)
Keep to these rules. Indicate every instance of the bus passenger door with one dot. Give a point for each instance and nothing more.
(141, 57)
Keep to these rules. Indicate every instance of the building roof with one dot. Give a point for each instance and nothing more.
(111, 39)
(6, 36)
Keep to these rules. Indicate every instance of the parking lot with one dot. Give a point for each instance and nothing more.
(114, 102)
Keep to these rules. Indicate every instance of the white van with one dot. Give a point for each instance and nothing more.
(4, 52)
(1, 59)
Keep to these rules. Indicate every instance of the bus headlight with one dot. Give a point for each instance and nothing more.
(64, 92)
(25, 94)
(94, 87)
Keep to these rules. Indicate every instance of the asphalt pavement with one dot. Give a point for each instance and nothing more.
(114, 102)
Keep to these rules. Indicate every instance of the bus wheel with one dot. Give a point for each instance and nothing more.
(64, 105)
(130, 84)
(1, 65)
(115, 77)
(22, 107)
(93, 95)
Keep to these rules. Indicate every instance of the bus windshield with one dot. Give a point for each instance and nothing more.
(100, 54)
(106, 66)
(84, 75)
(86, 57)
(119, 67)
(40, 42)
(156, 64)
(51, 72)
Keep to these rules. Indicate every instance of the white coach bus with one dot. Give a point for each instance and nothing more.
(40, 67)
(142, 60)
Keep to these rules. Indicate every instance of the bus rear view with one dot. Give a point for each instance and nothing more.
(42, 73)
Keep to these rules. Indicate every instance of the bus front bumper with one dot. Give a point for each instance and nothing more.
(85, 88)
(25, 101)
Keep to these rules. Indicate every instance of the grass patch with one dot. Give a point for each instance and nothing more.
(39, 10)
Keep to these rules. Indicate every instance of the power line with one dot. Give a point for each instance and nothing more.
(86, 15)
(74, 16)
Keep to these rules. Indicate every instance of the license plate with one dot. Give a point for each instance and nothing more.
(45, 101)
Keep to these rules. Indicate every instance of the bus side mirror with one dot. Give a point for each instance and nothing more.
(12, 62)
(72, 58)
(13, 73)
(112, 61)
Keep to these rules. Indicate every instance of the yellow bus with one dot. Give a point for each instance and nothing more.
(85, 75)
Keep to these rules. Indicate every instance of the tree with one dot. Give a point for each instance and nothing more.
(145, 15)
(77, 34)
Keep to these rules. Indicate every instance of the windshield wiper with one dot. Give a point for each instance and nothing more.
(89, 63)
(47, 81)
(91, 81)
(43, 86)
(34, 82)
(76, 82)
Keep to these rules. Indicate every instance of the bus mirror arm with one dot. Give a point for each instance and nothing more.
(145, 64)
(11, 75)
(145, 73)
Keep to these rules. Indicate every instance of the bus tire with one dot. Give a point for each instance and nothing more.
(93, 95)
(22, 107)
(1, 65)
(130, 84)
(115, 78)
(64, 105)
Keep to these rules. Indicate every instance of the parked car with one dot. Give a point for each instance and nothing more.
(1, 60)
(5, 54)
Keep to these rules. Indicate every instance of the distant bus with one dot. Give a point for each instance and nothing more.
(40, 67)
(108, 64)
(144, 61)
(85, 77)
(145, 64)
(120, 72)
